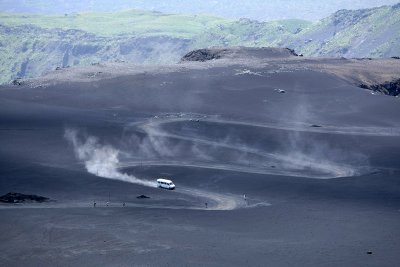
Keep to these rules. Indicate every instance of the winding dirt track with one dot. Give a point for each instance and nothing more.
(289, 165)
(297, 127)
(216, 201)
(296, 165)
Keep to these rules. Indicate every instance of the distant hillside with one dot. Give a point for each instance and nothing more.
(33, 44)
(123, 23)
(254, 9)
(252, 33)
(31, 51)
(360, 33)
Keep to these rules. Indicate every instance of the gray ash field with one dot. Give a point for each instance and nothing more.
(316, 156)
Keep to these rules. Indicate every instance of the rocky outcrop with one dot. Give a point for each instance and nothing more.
(293, 53)
(204, 55)
(396, 6)
(17, 82)
(236, 53)
(388, 88)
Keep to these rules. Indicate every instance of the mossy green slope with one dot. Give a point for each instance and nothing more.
(251, 33)
(131, 22)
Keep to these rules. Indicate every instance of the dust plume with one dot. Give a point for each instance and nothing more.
(326, 157)
(100, 160)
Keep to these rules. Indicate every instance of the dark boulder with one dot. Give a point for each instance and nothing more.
(20, 198)
(292, 52)
(142, 197)
(18, 82)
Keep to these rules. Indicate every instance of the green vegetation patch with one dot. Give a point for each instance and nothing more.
(131, 22)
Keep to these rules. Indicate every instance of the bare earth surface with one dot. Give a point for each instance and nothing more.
(278, 160)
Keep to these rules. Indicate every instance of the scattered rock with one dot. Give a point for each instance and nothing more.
(94, 74)
(248, 72)
(298, 30)
(369, 252)
(316, 126)
(396, 57)
(281, 91)
(142, 197)
(58, 68)
(20, 198)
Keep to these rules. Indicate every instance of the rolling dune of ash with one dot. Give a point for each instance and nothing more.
(278, 160)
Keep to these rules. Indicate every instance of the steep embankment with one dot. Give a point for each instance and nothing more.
(33, 44)
(31, 51)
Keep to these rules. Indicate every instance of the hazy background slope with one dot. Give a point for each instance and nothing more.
(347, 33)
(356, 33)
(32, 44)
(253, 9)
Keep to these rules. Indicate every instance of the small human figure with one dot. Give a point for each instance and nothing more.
(123, 204)
(94, 204)
(107, 203)
(206, 205)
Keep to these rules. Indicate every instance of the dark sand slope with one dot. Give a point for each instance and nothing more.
(316, 156)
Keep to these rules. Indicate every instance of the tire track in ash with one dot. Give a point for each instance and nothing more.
(225, 167)
(293, 164)
(215, 201)
(296, 127)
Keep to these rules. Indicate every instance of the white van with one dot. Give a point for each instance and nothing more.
(164, 183)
